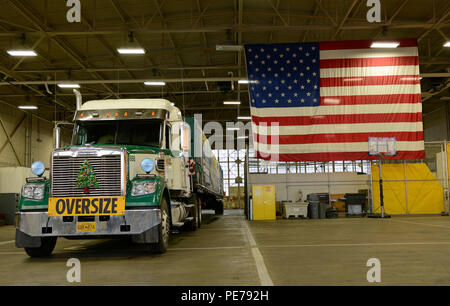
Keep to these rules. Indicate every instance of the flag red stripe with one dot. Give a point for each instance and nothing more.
(363, 44)
(370, 80)
(336, 138)
(339, 119)
(373, 99)
(369, 62)
(339, 156)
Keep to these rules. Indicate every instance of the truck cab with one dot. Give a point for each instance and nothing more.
(125, 173)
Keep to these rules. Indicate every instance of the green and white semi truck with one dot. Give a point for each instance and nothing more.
(131, 170)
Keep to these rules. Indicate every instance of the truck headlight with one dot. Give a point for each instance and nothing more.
(143, 188)
(31, 191)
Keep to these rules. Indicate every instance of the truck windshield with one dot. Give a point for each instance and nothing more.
(121, 132)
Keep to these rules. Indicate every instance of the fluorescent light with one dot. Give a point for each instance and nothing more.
(244, 118)
(131, 51)
(233, 129)
(21, 52)
(231, 102)
(242, 137)
(229, 48)
(152, 83)
(379, 44)
(447, 44)
(68, 85)
(247, 82)
(28, 107)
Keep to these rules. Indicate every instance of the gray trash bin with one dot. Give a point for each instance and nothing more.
(323, 210)
(313, 207)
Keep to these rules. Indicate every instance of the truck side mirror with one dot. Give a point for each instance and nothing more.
(185, 138)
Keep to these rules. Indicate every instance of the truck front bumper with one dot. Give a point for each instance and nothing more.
(134, 222)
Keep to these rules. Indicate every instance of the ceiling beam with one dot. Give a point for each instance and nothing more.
(339, 29)
(170, 80)
(36, 20)
(225, 28)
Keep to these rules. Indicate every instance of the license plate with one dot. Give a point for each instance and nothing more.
(86, 227)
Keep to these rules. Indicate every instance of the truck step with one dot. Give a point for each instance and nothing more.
(177, 224)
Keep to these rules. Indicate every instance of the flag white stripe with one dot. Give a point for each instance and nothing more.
(368, 53)
(337, 110)
(369, 71)
(370, 90)
(349, 128)
(332, 147)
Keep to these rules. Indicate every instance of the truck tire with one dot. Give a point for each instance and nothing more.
(161, 246)
(218, 208)
(46, 248)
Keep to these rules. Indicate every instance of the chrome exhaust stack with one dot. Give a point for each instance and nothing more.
(79, 99)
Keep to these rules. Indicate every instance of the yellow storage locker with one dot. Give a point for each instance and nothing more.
(263, 206)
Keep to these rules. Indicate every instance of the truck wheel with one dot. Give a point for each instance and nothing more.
(219, 208)
(163, 230)
(46, 248)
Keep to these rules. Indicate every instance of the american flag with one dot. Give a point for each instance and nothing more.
(322, 101)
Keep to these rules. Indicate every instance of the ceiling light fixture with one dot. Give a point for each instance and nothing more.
(229, 48)
(447, 44)
(153, 83)
(22, 53)
(231, 102)
(244, 118)
(379, 44)
(68, 85)
(28, 107)
(131, 51)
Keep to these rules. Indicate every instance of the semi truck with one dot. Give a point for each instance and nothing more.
(131, 169)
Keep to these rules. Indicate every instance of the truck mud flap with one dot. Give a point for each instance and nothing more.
(149, 236)
(26, 241)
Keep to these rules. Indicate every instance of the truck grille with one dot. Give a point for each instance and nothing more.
(107, 172)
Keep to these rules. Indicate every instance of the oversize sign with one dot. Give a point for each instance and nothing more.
(86, 206)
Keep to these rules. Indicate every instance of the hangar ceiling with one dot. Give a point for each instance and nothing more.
(180, 38)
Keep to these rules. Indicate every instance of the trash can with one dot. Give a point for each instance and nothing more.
(313, 207)
(323, 210)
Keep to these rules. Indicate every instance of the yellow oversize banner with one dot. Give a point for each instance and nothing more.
(422, 194)
(86, 206)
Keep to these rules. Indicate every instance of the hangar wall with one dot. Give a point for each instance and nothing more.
(41, 138)
(435, 124)
(288, 186)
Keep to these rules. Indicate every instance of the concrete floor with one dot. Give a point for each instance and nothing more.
(228, 250)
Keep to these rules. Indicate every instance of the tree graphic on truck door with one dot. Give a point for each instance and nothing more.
(86, 177)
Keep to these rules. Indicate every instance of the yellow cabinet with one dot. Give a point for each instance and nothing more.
(263, 206)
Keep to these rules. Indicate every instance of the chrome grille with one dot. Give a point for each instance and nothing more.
(107, 171)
